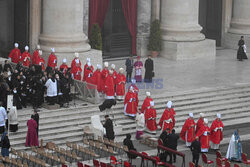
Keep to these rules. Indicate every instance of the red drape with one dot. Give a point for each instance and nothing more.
(97, 12)
(129, 8)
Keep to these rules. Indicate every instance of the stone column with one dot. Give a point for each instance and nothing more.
(35, 26)
(143, 26)
(240, 23)
(63, 29)
(156, 8)
(182, 38)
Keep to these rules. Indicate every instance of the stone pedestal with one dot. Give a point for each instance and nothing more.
(143, 26)
(240, 24)
(62, 29)
(182, 38)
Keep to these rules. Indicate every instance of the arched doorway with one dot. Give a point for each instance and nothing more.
(210, 18)
(115, 34)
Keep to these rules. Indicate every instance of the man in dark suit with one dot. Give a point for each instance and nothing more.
(129, 67)
(164, 138)
(108, 125)
(196, 149)
(172, 143)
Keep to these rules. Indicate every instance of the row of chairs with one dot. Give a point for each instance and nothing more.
(149, 142)
(222, 161)
(12, 162)
(27, 159)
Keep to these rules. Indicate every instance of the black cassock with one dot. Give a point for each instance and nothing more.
(241, 53)
(109, 129)
(149, 68)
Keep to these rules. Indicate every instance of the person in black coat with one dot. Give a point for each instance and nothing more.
(108, 125)
(129, 67)
(164, 138)
(5, 144)
(149, 70)
(128, 142)
(172, 143)
(196, 150)
(241, 54)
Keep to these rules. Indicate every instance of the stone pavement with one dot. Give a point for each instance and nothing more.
(225, 70)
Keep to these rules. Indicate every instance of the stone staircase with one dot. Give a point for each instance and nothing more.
(66, 124)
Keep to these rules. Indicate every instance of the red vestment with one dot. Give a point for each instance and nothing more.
(150, 119)
(86, 66)
(105, 73)
(109, 86)
(97, 80)
(204, 134)
(26, 58)
(64, 68)
(167, 120)
(77, 72)
(216, 136)
(114, 74)
(189, 128)
(86, 73)
(52, 62)
(73, 63)
(120, 84)
(146, 104)
(199, 124)
(15, 55)
(31, 139)
(42, 63)
(36, 58)
(130, 104)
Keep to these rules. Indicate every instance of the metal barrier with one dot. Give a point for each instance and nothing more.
(86, 91)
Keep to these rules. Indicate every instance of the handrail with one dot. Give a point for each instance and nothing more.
(160, 147)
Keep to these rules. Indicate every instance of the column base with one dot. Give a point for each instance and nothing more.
(231, 40)
(142, 45)
(94, 55)
(204, 49)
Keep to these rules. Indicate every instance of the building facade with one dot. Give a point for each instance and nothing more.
(191, 29)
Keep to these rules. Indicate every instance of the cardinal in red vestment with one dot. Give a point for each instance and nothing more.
(216, 132)
(36, 58)
(150, 118)
(88, 72)
(52, 61)
(133, 84)
(167, 120)
(110, 86)
(64, 67)
(41, 61)
(105, 72)
(204, 135)
(97, 78)
(130, 103)
(200, 122)
(26, 57)
(86, 65)
(15, 55)
(146, 102)
(32, 138)
(76, 59)
(76, 71)
(188, 130)
(120, 82)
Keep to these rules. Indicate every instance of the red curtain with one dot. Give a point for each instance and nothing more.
(97, 12)
(129, 8)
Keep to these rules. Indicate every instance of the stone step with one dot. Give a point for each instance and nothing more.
(160, 101)
(119, 115)
(174, 98)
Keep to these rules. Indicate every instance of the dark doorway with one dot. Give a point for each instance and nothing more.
(115, 33)
(210, 18)
(21, 22)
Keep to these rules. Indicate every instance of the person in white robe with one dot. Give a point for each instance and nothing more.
(234, 148)
(140, 124)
